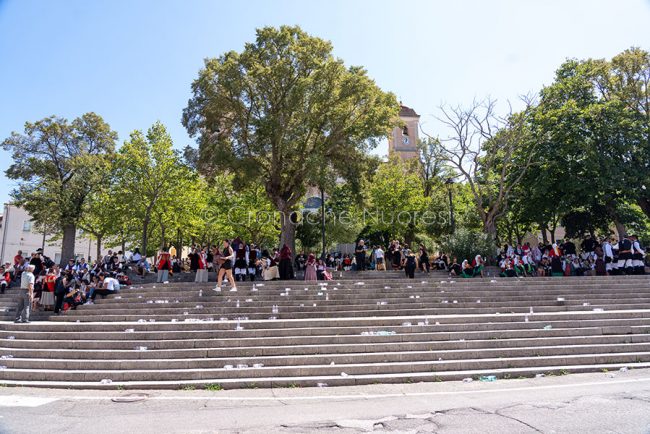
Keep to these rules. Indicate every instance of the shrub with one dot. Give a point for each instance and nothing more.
(465, 244)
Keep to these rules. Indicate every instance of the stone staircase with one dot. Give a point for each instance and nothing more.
(377, 330)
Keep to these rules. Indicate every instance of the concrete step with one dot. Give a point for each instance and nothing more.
(329, 380)
(306, 350)
(336, 359)
(96, 375)
(236, 338)
(602, 323)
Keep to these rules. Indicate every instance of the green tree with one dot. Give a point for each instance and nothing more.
(55, 162)
(432, 166)
(243, 211)
(155, 184)
(586, 144)
(100, 217)
(397, 205)
(283, 111)
(629, 81)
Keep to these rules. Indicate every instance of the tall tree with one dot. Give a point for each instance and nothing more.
(54, 163)
(629, 81)
(490, 152)
(282, 111)
(586, 147)
(396, 200)
(154, 181)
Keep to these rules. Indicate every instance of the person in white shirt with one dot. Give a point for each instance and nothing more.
(26, 294)
(379, 259)
(638, 256)
(109, 285)
(608, 256)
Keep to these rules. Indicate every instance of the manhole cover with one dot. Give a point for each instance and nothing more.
(133, 397)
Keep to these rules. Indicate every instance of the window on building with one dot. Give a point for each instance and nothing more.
(313, 202)
(405, 131)
(27, 226)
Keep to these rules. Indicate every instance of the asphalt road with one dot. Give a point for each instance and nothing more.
(616, 402)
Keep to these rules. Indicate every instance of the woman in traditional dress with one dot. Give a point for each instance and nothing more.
(202, 267)
(241, 262)
(163, 265)
(286, 269)
(310, 268)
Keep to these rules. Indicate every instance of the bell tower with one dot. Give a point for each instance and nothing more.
(403, 139)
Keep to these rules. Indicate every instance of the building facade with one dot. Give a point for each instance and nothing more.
(18, 232)
(403, 140)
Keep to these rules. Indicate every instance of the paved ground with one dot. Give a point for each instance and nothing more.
(616, 402)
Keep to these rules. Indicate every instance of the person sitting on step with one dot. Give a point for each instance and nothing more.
(5, 279)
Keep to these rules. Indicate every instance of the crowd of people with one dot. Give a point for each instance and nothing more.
(48, 286)
(235, 260)
(607, 256)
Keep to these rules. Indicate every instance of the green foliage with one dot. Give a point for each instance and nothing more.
(286, 113)
(396, 203)
(245, 212)
(465, 244)
(213, 387)
(55, 164)
(343, 219)
(158, 189)
(592, 127)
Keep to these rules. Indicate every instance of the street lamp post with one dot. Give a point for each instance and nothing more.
(322, 211)
(449, 182)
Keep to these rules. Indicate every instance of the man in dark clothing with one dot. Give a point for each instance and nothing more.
(37, 262)
(360, 255)
(568, 248)
(588, 244)
(194, 259)
(625, 256)
(60, 289)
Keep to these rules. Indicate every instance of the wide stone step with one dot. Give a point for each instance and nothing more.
(237, 338)
(384, 330)
(331, 380)
(320, 359)
(259, 329)
(308, 312)
(311, 323)
(408, 367)
(307, 349)
(292, 350)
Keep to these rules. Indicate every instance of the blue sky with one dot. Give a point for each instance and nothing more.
(133, 61)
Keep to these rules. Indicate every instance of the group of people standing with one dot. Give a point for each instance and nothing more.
(234, 260)
(607, 256)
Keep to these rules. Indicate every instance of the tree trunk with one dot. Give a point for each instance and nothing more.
(490, 227)
(542, 229)
(620, 228)
(162, 237)
(145, 237)
(99, 247)
(287, 230)
(68, 242)
(644, 203)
